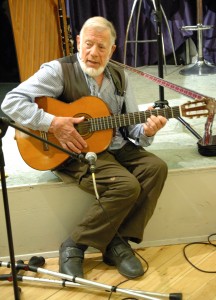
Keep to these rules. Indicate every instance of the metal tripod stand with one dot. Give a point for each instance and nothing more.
(201, 67)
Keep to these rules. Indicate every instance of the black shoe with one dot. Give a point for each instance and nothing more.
(123, 258)
(71, 261)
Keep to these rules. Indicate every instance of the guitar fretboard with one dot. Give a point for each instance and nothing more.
(120, 120)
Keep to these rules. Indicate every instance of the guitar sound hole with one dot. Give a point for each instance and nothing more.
(84, 127)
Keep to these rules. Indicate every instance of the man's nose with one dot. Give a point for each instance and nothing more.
(94, 50)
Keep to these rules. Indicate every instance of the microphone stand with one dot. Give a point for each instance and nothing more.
(162, 102)
(158, 18)
(4, 123)
(3, 129)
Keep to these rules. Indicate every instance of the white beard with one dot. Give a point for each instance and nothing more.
(91, 71)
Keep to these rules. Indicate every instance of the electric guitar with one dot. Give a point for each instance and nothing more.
(97, 128)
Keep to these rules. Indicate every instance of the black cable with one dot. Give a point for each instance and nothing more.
(116, 288)
(199, 243)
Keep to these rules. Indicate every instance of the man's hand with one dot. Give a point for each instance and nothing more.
(153, 124)
(65, 132)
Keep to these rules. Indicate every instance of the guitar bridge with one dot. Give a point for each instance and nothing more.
(43, 135)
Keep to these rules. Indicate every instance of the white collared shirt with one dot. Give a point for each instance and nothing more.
(20, 106)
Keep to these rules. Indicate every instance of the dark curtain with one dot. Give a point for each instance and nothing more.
(178, 13)
(118, 12)
(209, 48)
(8, 60)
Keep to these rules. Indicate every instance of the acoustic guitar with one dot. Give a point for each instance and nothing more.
(97, 128)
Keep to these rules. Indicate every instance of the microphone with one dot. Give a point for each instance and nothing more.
(91, 157)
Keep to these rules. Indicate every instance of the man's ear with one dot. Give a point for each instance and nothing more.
(112, 50)
(78, 42)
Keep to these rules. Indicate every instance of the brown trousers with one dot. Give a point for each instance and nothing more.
(129, 182)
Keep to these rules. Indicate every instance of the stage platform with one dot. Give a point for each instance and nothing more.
(43, 207)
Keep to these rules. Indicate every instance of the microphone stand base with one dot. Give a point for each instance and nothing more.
(200, 68)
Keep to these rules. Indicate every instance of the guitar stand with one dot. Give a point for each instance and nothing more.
(69, 281)
(164, 104)
(73, 281)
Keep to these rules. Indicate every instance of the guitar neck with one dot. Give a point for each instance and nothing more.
(115, 121)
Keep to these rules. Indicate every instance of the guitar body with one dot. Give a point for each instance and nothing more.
(97, 127)
(41, 156)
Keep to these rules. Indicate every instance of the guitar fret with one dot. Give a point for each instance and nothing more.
(107, 121)
(129, 119)
(103, 125)
(100, 123)
(115, 121)
(111, 122)
(171, 113)
(93, 125)
(134, 118)
(96, 124)
(139, 118)
(124, 120)
(119, 120)
(147, 115)
(164, 113)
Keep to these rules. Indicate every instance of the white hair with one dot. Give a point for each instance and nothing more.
(100, 23)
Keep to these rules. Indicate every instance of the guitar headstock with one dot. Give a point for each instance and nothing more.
(199, 108)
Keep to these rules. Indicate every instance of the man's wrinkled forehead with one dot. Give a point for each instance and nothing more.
(96, 34)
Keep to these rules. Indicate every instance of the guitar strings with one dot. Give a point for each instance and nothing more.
(113, 121)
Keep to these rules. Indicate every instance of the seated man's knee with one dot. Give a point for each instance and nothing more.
(162, 166)
(131, 188)
(158, 169)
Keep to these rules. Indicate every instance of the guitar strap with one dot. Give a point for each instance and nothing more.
(118, 78)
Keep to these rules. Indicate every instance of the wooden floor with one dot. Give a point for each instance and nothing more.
(169, 272)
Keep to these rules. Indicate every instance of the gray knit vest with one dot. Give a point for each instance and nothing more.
(75, 85)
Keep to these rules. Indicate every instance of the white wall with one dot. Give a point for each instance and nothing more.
(42, 215)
